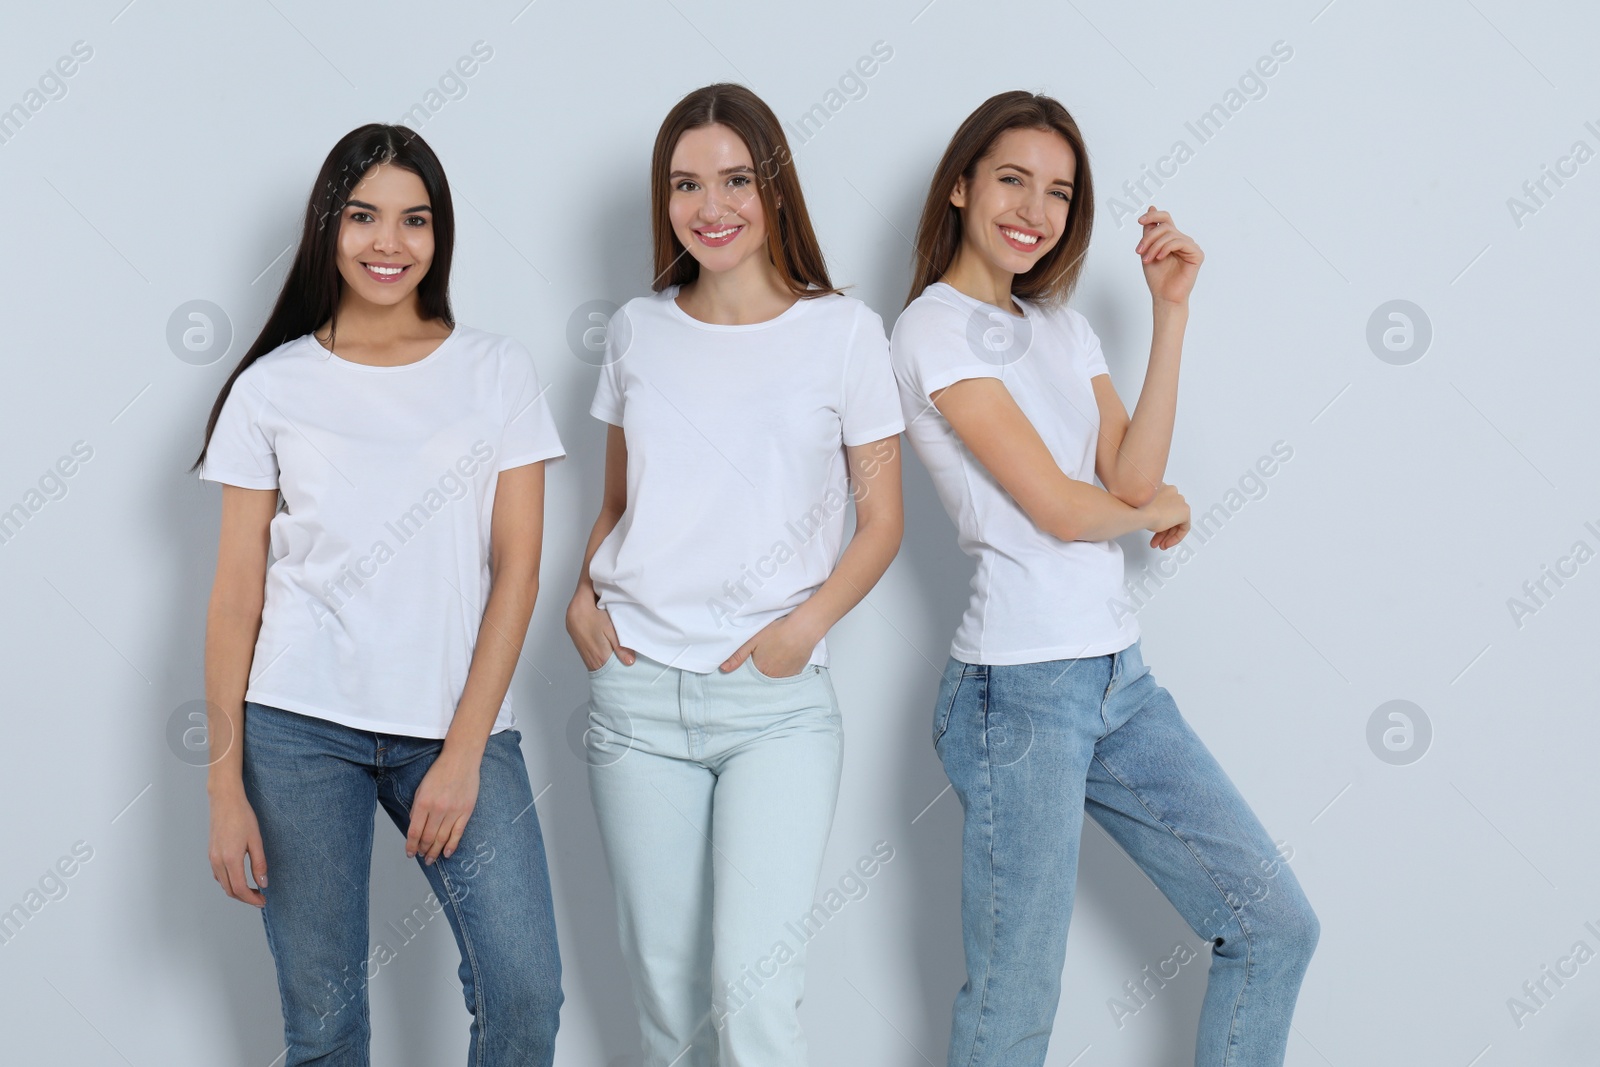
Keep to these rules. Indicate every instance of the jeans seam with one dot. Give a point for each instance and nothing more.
(479, 1016)
(1233, 1015)
(978, 1034)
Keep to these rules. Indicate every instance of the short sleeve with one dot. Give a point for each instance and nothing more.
(871, 409)
(932, 349)
(530, 429)
(1094, 360)
(607, 403)
(239, 452)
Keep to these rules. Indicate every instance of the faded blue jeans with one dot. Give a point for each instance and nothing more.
(1029, 748)
(314, 785)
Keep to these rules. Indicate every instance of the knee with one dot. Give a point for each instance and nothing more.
(1295, 929)
(532, 1000)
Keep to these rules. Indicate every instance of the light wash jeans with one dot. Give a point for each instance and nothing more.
(1028, 749)
(313, 785)
(715, 794)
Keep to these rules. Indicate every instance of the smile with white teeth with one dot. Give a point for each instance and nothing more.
(1019, 236)
(717, 235)
(386, 271)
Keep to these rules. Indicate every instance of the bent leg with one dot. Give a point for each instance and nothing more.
(1161, 795)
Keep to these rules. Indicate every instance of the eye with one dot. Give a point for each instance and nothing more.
(360, 216)
(686, 186)
(1062, 193)
(739, 181)
(1012, 178)
(420, 220)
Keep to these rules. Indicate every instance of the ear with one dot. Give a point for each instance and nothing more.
(958, 193)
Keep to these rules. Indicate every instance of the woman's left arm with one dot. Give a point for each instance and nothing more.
(449, 790)
(786, 644)
(1131, 457)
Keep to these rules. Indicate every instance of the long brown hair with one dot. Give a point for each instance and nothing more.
(1052, 279)
(312, 290)
(791, 242)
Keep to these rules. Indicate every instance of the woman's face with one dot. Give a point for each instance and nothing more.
(714, 207)
(1014, 209)
(386, 235)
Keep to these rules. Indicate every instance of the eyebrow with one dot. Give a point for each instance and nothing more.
(1028, 173)
(363, 205)
(740, 169)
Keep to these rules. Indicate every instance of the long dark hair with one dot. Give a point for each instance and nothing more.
(791, 242)
(1052, 279)
(310, 294)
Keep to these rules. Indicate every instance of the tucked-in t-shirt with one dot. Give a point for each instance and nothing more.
(379, 570)
(1034, 596)
(737, 476)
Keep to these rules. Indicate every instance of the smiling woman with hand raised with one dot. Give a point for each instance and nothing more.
(1046, 707)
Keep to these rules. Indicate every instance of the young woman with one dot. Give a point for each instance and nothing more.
(748, 401)
(1046, 706)
(368, 661)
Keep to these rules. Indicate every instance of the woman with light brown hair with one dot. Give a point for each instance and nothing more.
(1046, 708)
(749, 402)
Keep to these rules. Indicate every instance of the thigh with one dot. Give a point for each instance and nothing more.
(777, 787)
(495, 888)
(313, 798)
(1158, 791)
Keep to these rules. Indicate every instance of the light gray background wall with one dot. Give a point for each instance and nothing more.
(1377, 164)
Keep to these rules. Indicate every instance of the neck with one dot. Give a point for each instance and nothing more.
(751, 292)
(363, 322)
(980, 279)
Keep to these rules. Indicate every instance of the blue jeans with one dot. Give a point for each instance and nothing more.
(715, 794)
(1028, 749)
(313, 785)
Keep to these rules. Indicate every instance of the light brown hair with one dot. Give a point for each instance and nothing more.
(939, 232)
(791, 242)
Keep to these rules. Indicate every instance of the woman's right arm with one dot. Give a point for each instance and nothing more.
(232, 622)
(986, 417)
(588, 624)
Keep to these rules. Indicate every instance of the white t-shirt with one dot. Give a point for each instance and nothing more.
(737, 480)
(379, 573)
(1035, 597)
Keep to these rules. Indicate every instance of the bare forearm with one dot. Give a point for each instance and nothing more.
(1089, 513)
(865, 558)
(230, 646)
(494, 662)
(1147, 444)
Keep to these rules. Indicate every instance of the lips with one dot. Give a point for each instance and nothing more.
(717, 236)
(1027, 241)
(386, 273)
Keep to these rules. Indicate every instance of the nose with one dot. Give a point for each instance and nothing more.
(386, 239)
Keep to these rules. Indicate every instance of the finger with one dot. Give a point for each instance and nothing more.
(1150, 234)
(455, 836)
(419, 820)
(1158, 247)
(433, 838)
(241, 888)
(258, 858)
(626, 655)
(738, 657)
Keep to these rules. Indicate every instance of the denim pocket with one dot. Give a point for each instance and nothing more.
(949, 689)
(610, 660)
(810, 670)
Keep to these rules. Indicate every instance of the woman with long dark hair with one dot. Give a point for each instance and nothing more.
(1046, 707)
(361, 638)
(748, 401)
